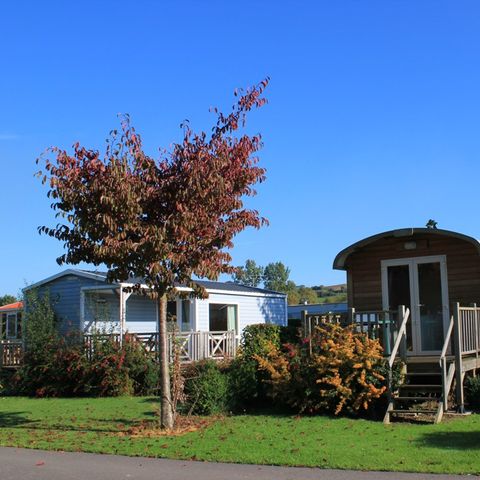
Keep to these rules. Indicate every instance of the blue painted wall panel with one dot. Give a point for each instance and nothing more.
(65, 297)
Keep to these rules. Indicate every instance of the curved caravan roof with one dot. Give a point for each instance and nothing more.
(341, 258)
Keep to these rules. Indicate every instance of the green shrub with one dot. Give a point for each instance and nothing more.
(256, 338)
(141, 367)
(57, 366)
(290, 333)
(378, 406)
(248, 381)
(472, 391)
(207, 388)
(245, 387)
(7, 382)
(58, 369)
(107, 375)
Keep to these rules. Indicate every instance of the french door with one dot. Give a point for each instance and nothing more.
(421, 285)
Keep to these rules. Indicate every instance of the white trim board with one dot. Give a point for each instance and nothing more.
(102, 278)
(70, 271)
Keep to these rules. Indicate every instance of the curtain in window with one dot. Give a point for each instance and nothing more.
(232, 317)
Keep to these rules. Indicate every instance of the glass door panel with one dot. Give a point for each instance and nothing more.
(399, 293)
(430, 306)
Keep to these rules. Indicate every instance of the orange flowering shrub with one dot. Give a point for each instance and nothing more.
(335, 370)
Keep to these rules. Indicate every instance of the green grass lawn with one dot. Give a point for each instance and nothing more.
(106, 425)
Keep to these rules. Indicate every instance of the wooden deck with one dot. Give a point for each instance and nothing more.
(460, 354)
(191, 346)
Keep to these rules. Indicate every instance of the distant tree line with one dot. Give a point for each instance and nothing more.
(276, 276)
(6, 299)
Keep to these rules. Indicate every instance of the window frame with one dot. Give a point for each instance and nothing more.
(228, 304)
(7, 326)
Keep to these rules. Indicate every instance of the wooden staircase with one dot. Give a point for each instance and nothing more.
(420, 394)
(425, 390)
(426, 381)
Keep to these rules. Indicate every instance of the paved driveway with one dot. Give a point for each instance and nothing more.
(22, 464)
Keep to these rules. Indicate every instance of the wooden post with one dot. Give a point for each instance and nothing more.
(403, 343)
(475, 330)
(457, 329)
(351, 316)
(444, 384)
(306, 332)
(386, 334)
(122, 314)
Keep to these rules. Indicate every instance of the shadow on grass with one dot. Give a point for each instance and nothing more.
(14, 419)
(151, 400)
(112, 425)
(451, 440)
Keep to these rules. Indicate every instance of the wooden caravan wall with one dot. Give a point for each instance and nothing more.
(364, 268)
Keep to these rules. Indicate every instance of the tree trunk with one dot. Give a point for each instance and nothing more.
(166, 421)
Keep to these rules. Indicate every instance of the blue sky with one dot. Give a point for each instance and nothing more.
(373, 118)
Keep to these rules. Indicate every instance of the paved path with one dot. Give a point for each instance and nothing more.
(24, 464)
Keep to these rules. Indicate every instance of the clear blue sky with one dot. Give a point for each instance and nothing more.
(373, 119)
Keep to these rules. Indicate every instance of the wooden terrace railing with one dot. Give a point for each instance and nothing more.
(448, 372)
(11, 353)
(399, 347)
(378, 324)
(192, 346)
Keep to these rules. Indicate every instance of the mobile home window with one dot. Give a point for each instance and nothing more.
(223, 317)
(172, 311)
(12, 325)
(186, 325)
(3, 327)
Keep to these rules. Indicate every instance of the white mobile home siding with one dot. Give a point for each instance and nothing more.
(81, 298)
(251, 309)
(141, 313)
(64, 293)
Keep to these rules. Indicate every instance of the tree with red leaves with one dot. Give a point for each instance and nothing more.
(166, 220)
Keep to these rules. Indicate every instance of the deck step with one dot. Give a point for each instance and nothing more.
(414, 412)
(420, 395)
(419, 386)
(424, 374)
(425, 399)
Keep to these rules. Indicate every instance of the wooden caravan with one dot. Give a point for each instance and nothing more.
(418, 290)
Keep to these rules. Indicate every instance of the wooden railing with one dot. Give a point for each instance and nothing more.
(377, 324)
(312, 320)
(191, 346)
(447, 373)
(469, 318)
(400, 346)
(11, 353)
(466, 328)
(382, 325)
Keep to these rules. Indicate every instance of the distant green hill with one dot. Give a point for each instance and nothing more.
(331, 293)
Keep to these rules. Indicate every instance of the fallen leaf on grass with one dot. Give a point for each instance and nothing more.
(183, 425)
